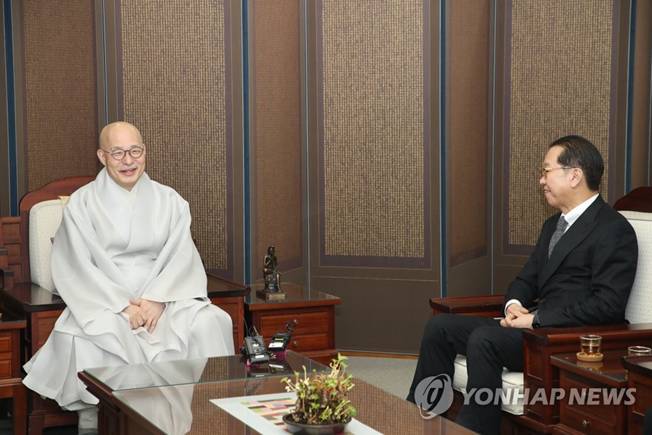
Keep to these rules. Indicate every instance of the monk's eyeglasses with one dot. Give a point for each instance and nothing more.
(135, 152)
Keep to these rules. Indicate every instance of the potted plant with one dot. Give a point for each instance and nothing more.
(322, 406)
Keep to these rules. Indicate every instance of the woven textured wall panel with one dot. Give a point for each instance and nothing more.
(561, 61)
(174, 84)
(276, 135)
(372, 132)
(60, 96)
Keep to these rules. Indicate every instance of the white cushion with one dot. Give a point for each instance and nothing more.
(512, 385)
(44, 220)
(639, 305)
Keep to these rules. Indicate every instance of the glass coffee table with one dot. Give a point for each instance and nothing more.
(175, 398)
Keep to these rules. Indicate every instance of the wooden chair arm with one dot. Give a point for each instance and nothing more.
(613, 336)
(485, 306)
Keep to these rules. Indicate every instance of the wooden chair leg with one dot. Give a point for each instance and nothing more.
(20, 409)
(35, 425)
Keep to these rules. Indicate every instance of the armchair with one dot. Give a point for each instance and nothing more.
(26, 284)
(20, 298)
(540, 344)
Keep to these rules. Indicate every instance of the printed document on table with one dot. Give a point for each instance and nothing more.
(264, 413)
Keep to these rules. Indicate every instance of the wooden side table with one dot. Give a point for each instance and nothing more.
(597, 416)
(640, 378)
(313, 313)
(230, 297)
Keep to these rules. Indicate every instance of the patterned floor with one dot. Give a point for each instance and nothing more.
(390, 374)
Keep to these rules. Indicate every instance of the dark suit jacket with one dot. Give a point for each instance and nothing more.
(589, 275)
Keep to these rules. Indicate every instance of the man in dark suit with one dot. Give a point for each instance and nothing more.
(580, 273)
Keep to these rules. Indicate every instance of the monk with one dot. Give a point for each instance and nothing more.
(124, 262)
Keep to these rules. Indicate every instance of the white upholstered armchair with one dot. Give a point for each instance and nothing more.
(541, 343)
(26, 283)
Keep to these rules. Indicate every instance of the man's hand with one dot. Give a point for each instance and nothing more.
(135, 316)
(151, 312)
(520, 320)
(512, 312)
(515, 310)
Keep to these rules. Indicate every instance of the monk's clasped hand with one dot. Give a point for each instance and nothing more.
(150, 311)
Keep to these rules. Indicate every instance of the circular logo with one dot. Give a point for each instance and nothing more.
(434, 395)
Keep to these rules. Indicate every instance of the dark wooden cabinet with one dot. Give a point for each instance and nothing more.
(312, 312)
(591, 403)
(11, 385)
(230, 297)
(639, 378)
(234, 306)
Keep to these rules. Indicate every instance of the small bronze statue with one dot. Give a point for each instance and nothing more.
(271, 277)
(270, 270)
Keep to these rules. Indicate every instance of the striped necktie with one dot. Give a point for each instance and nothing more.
(561, 227)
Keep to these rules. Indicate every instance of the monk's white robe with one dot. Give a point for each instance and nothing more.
(114, 245)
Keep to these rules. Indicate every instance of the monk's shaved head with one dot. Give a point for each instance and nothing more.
(122, 152)
(111, 130)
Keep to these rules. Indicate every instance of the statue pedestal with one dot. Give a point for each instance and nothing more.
(270, 295)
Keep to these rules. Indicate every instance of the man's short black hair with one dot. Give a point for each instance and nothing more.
(580, 153)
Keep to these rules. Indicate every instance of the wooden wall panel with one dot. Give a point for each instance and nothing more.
(59, 88)
(174, 66)
(560, 82)
(561, 68)
(5, 178)
(468, 145)
(372, 120)
(641, 139)
(275, 142)
(372, 142)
